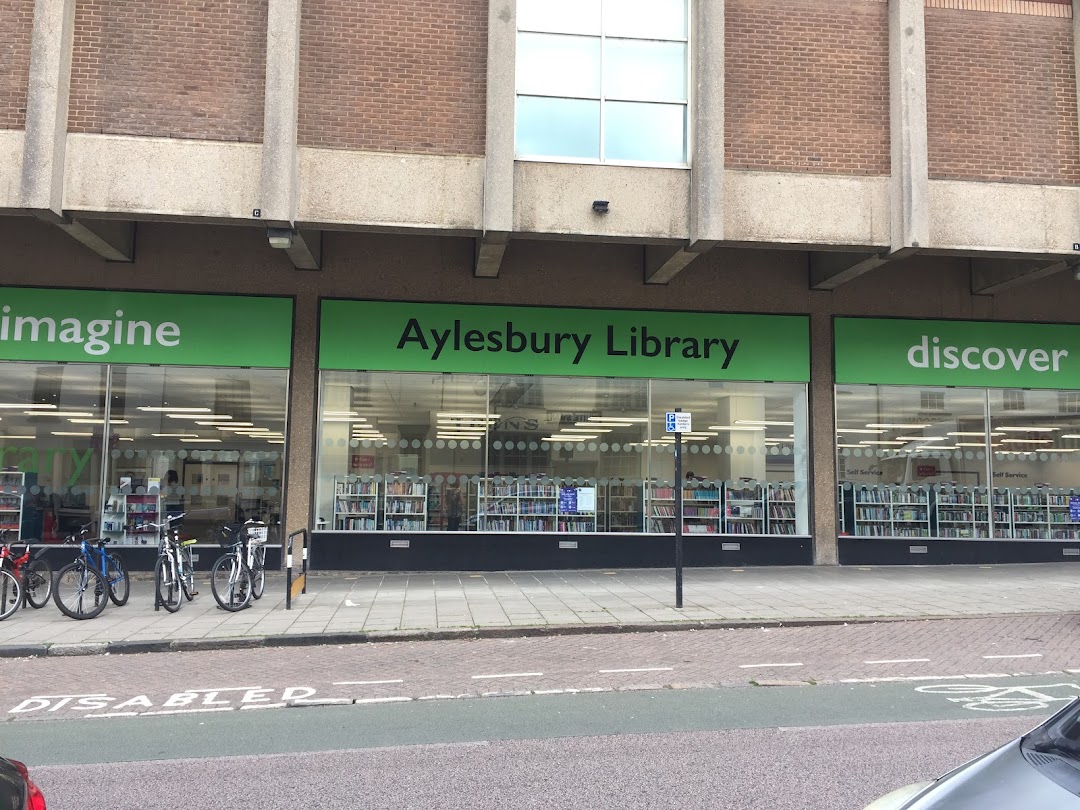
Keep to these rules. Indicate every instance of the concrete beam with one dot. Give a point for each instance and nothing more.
(707, 165)
(910, 186)
(44, 145)
(111, 239)
(992, 276)
(279, 182)
(829, 270)
(663, 263)
(304, 248)
(498, 216)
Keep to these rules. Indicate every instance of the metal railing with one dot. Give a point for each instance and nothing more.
(296, 585)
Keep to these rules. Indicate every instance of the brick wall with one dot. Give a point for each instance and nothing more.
(394, 75)
(171, 68)
(1001, 97)
(16, 22)
(808, 86)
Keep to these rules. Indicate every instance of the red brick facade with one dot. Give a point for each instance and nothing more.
(1001, 98)
(171, 68)
(808, 86)
(16, 22)
(394, 75)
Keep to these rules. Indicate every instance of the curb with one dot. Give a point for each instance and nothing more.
(448, 634)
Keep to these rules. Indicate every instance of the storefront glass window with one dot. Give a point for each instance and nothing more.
(204, 441)
(51, 423)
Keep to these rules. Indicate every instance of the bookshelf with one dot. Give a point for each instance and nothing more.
(577, 509)
(660, 507)
(744, 509)
(1061, 526)
(701, 510)
(405, 506)
(963, 513)
(1039, 514)
(125, 518)
(782, 509)
(624, 512)
(891, 512)
(11, 502)
(517, 507)
(355, 504)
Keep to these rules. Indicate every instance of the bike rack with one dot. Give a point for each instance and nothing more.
(293, 586)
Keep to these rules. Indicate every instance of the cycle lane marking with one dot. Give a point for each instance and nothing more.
(1003, 698)
(1019, 655)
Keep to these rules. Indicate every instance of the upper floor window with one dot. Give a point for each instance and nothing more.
(602, 80)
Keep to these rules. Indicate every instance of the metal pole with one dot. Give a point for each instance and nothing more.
(678, 518)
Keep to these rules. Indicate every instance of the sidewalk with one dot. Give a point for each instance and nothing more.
(347, 607)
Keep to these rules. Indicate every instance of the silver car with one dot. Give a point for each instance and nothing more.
(1041, 770)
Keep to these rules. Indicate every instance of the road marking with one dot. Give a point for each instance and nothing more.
(899, 661)
(896, 678)
(191, 711)
(383, 700)
(640, 669)
(264, 706)
(112, 714)
(365, 683)
(321, 701)
(1020, 655)
(753, 666)
(508, 675)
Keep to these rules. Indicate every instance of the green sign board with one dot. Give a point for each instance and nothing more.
(473, 338)
(980, 354)
(103, 326)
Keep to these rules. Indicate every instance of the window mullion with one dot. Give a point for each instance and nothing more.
(603, 60)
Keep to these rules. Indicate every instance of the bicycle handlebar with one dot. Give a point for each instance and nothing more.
(169, 521)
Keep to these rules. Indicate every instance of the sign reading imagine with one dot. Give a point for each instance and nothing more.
(474, 338)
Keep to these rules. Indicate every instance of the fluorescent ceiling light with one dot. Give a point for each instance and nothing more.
(13, 436)
(857, 430)
(454, 415)
(971, 433)
(173, 410)
(735, 427)
(858, 446)
(98, 421)
(568, 438)
(1015, 429)
(68, 433)
(229, 424)
(1069, 436)
(1028, 441)
(880, 441)
(593, 429)
(340, 413)
(932, 448)
(618, 419)
(790, 440)
(763, 422)
(895, 425)
(604, 424)
(214, 416)
(58, 413)
(172, 435)
(975, 444)
(921, 438)
(1064, 449)
(25, 407)
(275, 441)
(202, 441)
(126, 439)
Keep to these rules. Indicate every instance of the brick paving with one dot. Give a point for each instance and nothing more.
(401, 604)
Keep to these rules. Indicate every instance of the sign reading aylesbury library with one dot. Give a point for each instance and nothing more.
(482, 339)
(983, 354)
(104, 326)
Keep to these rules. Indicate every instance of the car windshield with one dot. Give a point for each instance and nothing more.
(1060, 735)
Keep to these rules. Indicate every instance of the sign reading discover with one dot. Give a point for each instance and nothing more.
(956, 353)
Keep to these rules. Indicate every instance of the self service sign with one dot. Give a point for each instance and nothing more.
(480, 339)
(982, 354)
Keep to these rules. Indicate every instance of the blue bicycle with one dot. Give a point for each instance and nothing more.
(84, 586)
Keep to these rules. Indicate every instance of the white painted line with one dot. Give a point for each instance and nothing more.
(640, 669)
(594, 689)
(264, 706)
(383, 700)
(550, 691)
(365, 683)
(192, 711)
(897, 678)
(900, 661)
(227, 689)
(112, 714)
(1020, 655)
(508, 675)
(94, 694)
(321, 702)
(755, 666)
(440, 697)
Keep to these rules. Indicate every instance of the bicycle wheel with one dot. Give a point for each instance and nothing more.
(37, 582)
(79, 591)
(119, 584)
(10, 594)
(187, 577)
(258, 573)
(230, 582)
(166, 585)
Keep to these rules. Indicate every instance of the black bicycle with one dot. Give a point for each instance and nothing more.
(174, 571)
(88, 583)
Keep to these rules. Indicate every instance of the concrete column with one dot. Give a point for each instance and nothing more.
(823, 484)
(498, 214)
(44, 148)
(303, 401)
(280, 178)
(707, 119)
(909, 193)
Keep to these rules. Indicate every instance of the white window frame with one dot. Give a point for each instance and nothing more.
(603, 37)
